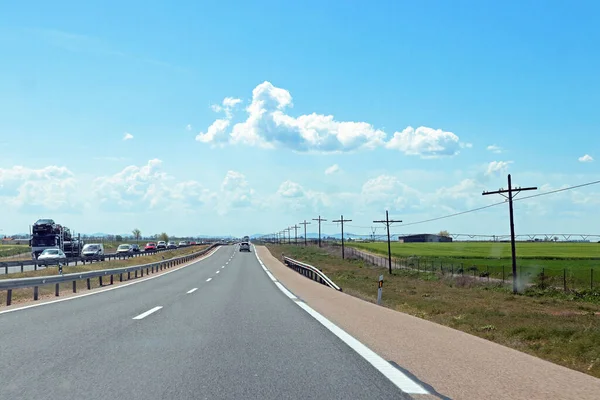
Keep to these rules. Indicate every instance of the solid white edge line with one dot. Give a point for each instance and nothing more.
(109, 288)
(192, 290)
(285, 291)
(397, 377)
(403, 382)
(150, 311)
(209, 279)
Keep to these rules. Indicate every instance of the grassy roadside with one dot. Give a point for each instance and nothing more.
(22, 295)
(9, 250)
(559, 327)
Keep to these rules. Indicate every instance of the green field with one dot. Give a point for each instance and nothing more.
(574, 262)
(8, 250)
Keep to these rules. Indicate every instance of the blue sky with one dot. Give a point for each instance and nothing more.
(235, 111)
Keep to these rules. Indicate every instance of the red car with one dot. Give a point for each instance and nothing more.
(192, 243)
(150, 247)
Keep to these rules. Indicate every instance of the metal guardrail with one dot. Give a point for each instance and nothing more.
(36, 282)
(310, 272)
(5, 265)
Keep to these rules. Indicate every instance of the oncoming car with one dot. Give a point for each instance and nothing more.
(245, 246)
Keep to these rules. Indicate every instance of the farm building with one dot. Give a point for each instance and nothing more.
(423, 238)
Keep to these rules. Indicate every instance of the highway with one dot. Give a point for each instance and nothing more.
(217, 329)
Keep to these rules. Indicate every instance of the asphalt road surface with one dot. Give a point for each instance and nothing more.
(217, 329)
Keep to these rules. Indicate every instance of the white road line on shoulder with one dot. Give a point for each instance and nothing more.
(285, 291)
(209, 279)
(109, 288)
(192, 290)
(222, 267)
(396, 376)
(150, 311)
(218, 271)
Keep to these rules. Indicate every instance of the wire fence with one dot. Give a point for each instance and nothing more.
(567, 279)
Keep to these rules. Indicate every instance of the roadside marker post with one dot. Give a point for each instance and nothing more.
(379, 289)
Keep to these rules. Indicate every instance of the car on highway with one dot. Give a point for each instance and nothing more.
(52, 254)
(182, 244)
(93, 250)
(245, 246)
(151, 246)
(124, 249)
(192, 243)
(161, 245)
(135, 248)
(171, 245)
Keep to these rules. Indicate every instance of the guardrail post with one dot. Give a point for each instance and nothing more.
(22, 268)
(135, 273)
(8, 297)
(89, 284)
(128, 275)
(100, 280)
(111, 279)
(121, 277)
(35, 293)
(56, 289)
(74, 286)
(142, 271)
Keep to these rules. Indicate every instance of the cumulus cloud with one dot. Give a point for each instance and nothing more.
(332, 170)
(215, 132)
(497, 167)
(387, 192)
(127, 136)
(425, 142)
(269, 125)
(586, 158)
(494, 149)
(235, 192)
(50, 187)
(290, 189)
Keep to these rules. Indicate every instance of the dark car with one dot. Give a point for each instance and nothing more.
(135, 248)
(150, 246)
(245, 246)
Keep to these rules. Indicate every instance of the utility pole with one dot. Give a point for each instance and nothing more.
(295, 234)
(305, 223)
(342, 220)
(289, 231)
(319, 219)
(387, 223)
(512, 192)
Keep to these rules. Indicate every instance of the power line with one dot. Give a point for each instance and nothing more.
(559, 190)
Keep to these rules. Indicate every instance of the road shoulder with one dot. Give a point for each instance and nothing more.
(447, 361)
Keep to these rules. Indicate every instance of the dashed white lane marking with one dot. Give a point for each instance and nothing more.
(222, 267)
(192, 291)
(150, 311)
(397, 377)
(218, 271)
(209, 279)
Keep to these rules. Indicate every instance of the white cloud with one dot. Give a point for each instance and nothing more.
(497, 168)
(387, 192)
(268, 125)
(290, 189)
(227, 106)
(586, 158)
(51, 187)
(425, 142)
(188, 127)
(235, 193)
(215, 132)
(332, 170)
(127, 136)
(231, 102)
(494, 149)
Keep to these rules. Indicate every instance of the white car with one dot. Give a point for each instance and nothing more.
(52, 254)
(182, 244)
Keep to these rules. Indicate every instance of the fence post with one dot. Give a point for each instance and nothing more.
(503, 274)
(56, 289)
(487, 267)
(89, 284)
(565, 279)
(8, 297)
(542, 278)
(592, 279)
(35, 293)
(74, 286)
